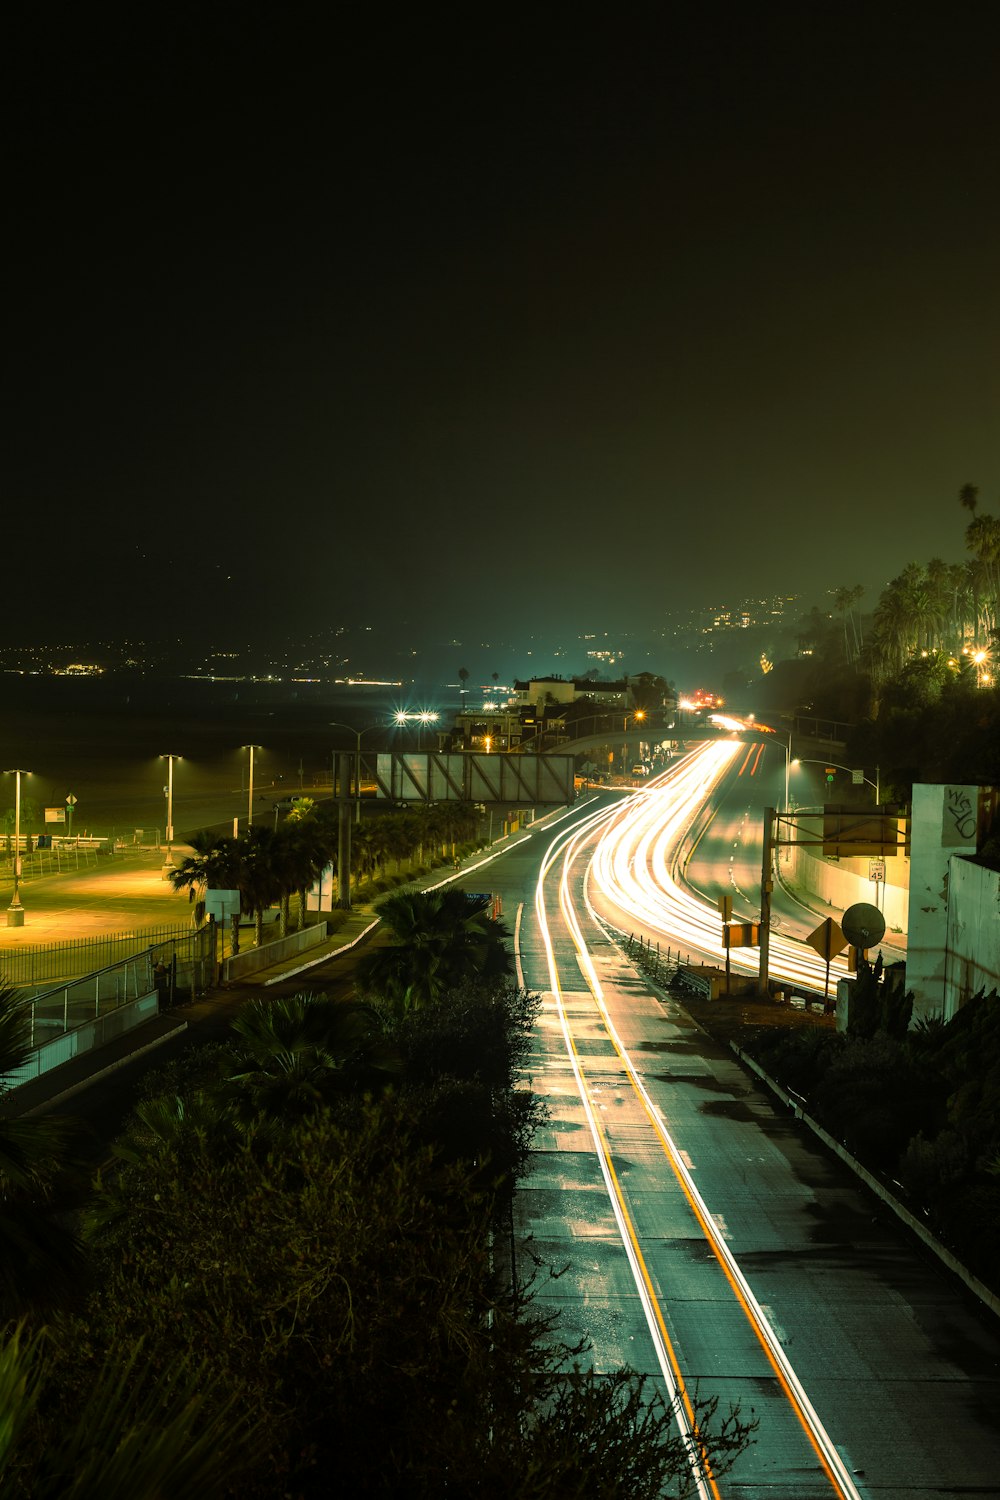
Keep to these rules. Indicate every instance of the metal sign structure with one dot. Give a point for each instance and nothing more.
(432, 777)
(845, 830)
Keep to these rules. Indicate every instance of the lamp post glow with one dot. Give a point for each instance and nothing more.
(15, 912)
(168, 862)
(251, 748)
(637, 718)
(421, 719)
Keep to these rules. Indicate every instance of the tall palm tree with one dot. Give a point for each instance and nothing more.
(260, 881)
(366, 847)
(895, 624)
(843, 599)
(982, 537)
(968, 496)
(214, 865)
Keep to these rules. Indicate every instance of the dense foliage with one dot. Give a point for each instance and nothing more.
(920, 1107)
(296, 1281)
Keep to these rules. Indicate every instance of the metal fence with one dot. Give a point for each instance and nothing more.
(33, 966)
(174, 971)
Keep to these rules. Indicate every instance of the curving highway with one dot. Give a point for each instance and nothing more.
(641, 869)
(702, 1236)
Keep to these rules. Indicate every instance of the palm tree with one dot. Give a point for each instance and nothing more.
(366, 847)
(894, 624)
(301, 853)
(215, 865)
(982, 537)
(443, 939)
(295, 1053)
(259, 878)
(842, 599)
(968, 496)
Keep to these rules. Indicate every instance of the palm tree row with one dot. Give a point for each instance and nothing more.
(953, 608)
(268, 866)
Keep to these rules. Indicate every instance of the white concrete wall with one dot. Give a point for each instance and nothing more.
(845, 882)
(972, 961)
(944, 823)
(250, 960)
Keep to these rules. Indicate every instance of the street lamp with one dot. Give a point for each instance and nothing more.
(251, 748)
(852, 769)
(424, 718)
(637, 718)
(168, 860)
(421, 719)
(15, 911)
(337, 724)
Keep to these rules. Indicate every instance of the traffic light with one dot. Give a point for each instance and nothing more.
(830, 775)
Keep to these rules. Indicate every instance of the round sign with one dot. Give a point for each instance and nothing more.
(863, 925)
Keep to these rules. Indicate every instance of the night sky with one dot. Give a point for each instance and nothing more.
(492, 320)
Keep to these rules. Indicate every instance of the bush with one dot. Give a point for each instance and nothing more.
(798, 1060)
(876, 1096)
(928, 1170)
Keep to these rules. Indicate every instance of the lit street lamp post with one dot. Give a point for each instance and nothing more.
(421, 719)
(637, 718)
(251, 748)
(812, 762)
(168, 862)
(15, 912)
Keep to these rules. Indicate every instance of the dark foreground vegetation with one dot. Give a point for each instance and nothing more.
(291, 1279)
(920, 1108)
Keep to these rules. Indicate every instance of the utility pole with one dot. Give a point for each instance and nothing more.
(344, 831)
(766, 886)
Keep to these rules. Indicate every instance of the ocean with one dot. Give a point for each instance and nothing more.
(103, 741)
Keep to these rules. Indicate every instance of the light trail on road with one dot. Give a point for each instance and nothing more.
(636, 869)
(571, 846)
(566, 847)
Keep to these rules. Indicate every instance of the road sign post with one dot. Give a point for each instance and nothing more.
(828, 941)
(725, 912)
(70, 804)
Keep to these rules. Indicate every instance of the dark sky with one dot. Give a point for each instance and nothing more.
(496, 317)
